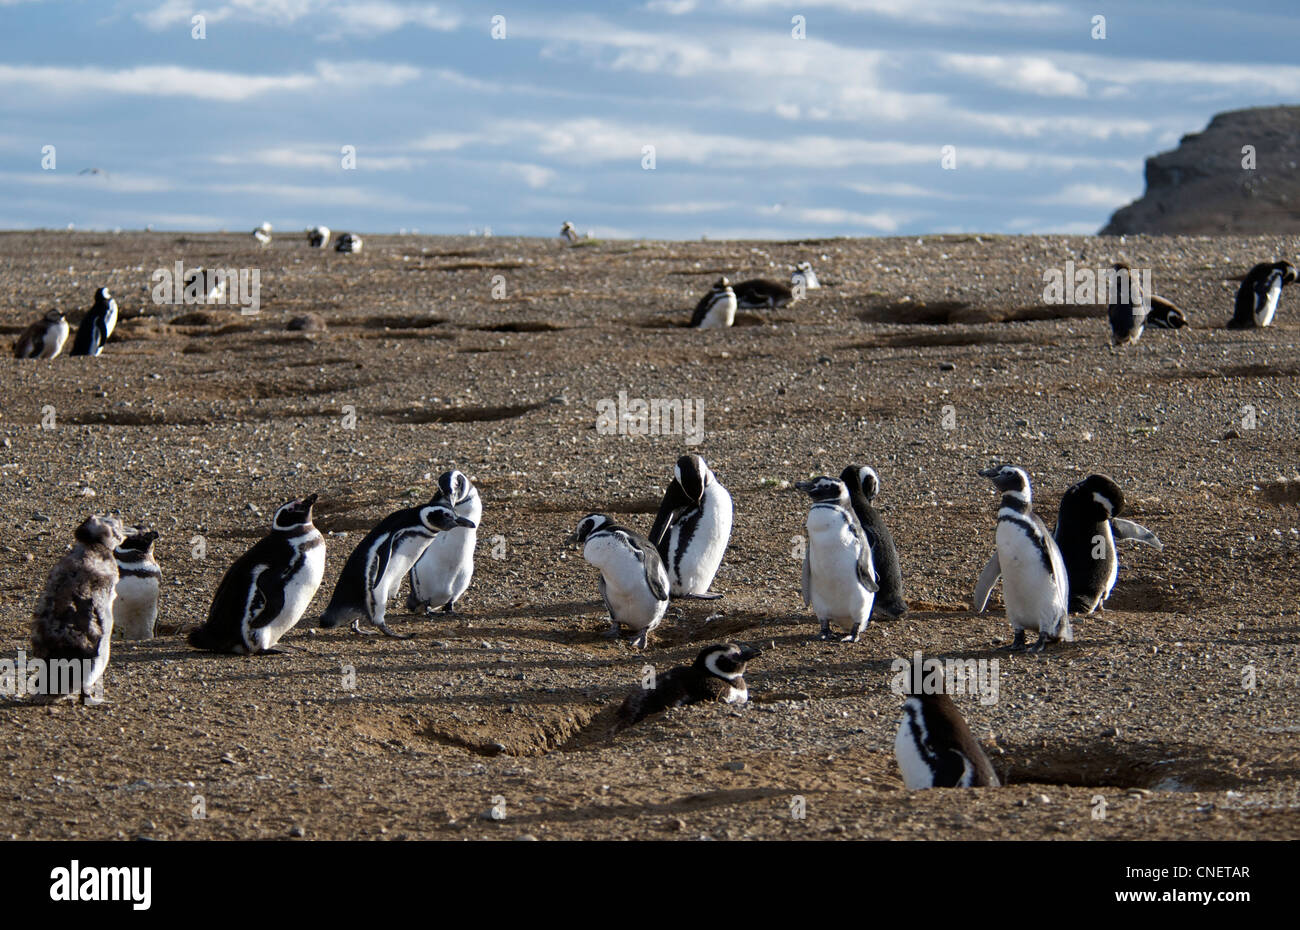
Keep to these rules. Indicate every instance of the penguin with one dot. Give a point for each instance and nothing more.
(935, 748)
(1034, 582)
(839, 577)
(96, 326)
(348, 242)
(74, 617)
(1127, 312)
(318, 237)
(1087, 526)
(136, 609)
(759, 294)
(568, 233)
(44, 338)
(1259, 293)
(1164, 315)
(805, 276)
(633, 581)
(381, 560)
(442, 573)
(717, 674)
(266, 592)
(205, 287)
(263, 234)
(692, 528)
(863, 484)
(717, 308)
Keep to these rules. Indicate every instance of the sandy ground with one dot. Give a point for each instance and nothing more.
(200, 421)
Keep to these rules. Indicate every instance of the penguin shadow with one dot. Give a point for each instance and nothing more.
(697, 623)
(1120, 764)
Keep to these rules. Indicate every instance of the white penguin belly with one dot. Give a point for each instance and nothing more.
(833, 550)
(915, 770)
(136, 609)
(1028, 588)
(1270, 305)
(297, 595)
(721, 313)
(700, 562)
(631, 601)
(443, 573)
(404, 555)
(97, 665)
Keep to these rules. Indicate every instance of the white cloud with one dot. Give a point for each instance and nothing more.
(833, 216)
(671, 7)
(361, 18)
(318, 157)
(1024, 74)
(535, 176)
(901, 190)
(941, 12)
(1091, 195)
(70, 179)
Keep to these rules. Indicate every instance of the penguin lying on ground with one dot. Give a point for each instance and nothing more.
(692, 528)
(935, 748)
(318, 237)
(633, 581)
(1087, 526)
(717, 308)
(758, 294)
(44, 338)
(717, 674)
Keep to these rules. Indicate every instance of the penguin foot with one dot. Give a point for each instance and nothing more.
(700, 597)
(356, 628)
(849, 638)
(413, 603)
(1017, 644)
(91, 700)
(390, 633)
(449, 607)
(612, 632)
(640, 640)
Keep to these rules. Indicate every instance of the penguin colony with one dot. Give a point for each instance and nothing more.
(109, 583)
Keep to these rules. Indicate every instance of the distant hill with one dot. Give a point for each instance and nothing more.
(1201, 188)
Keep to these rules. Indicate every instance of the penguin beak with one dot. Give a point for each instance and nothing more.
(804, 486)
(571, 539)
(749, 652)
(309, 501)
(465, 522)
(989, 472)
(675, 498)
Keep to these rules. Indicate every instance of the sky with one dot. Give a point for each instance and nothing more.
(766, 119)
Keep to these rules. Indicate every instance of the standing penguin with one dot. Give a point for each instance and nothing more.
(263, 234)
(266, 592)
(569, 234)
(318, 237)
(73, 624)
(1034, 583)
(96, 326)
(804, 277)
(348, 243)
(839, 577)
(377, 565)
(442, 574)
(44, 338)
(1087, 526)
(1128, 308)
(717, 674)
(935, 748)
(136, 609)
(633, 582)
(692, 528)
(717, 308)
(863, 484)
(1259, 293)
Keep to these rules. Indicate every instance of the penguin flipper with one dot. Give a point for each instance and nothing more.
(1127, 529)
(268, 603)
(655, 574)
(988, 578)
(867, 571)
(805, 588)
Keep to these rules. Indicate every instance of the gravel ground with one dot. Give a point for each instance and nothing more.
(493, 723)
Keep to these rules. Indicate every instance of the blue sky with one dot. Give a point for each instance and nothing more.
(756, 133)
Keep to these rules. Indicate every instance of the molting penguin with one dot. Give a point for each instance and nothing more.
(74, 617)
(692, 528)
(1259, 293)
(935, 748)
(1087, 526)
(839, 578)
(44, 338)
(633, 582)
(96, 326)
(717, 674)
(717, 308)
(266, 592)
(804, 277)
(136, 609)
(863, 484)
(318, 237)
(1164, 315)
(348, 243)
(1034, 583)
(263, 234)
(381, 560)
(758, 294)
(442, 574)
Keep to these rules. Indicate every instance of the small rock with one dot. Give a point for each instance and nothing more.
(297, 831)
(947, 366)
(734, 766)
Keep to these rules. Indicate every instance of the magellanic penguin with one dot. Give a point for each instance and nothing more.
(717, 674)
(263, 234)
(692, 528)
(569, 234)
(381, 560)
(204, 286)
(717, 308)
(73, 627)
(96, 326)
(318, 237)
(266, 592)
(1087, 526)
(935, 748)
(1259, 293)
(1164, 315)
(348, 243)
(44, 338)
(864, 484)
(135, 612)
(1034, 582)
(633, 582)
(804, 277)
(442, 574)
(758, 294)
(1128, 308)
(839, 577)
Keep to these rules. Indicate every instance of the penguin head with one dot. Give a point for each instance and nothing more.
(726, 660)
(804, 266)
(54, 316)
(293, 515)
(102, 296)
(1008, 478)
(453, 486)
(692, 476)
(1100, 495)
(101, 531)
(864, 477)
(139, 541)
(824, 488)
(440, 517)
(723, 284)
(1288, 272)
(588, 525)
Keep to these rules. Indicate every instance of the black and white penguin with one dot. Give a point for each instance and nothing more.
(759, 294)
(804, 277)
(1259, 293)
(204, 286)
(935, 748)
(717, 674)
(348, 242)
(44, 338)
(692, 528)
(1128, 309)
(1087, 526)
(263, 234)
(381, 560)
(135, 612)
(864, 484)
(717, 308)
(96, 326)
(443, 572)
(633, 581)
(318, 237)
(568, 233)
(1034, 582)
(1164, 315)
(74, 617)
(266, 592)
(839, 577)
